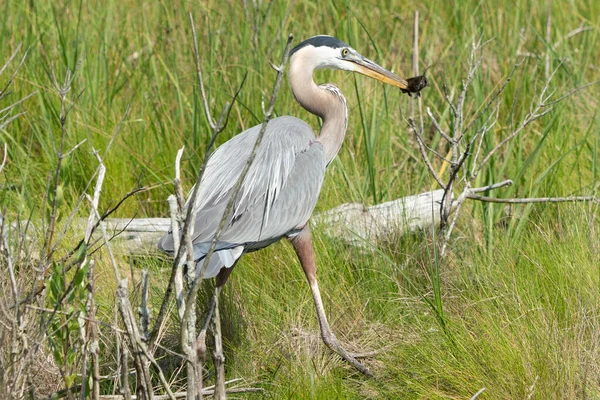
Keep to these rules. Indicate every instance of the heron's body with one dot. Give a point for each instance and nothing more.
(276, 198)
(281, 189)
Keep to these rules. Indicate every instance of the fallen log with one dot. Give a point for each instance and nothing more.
(353, 223)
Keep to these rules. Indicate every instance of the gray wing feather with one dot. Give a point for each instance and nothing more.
(277, 196)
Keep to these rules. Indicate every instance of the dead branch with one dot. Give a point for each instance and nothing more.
(434, 174)
(143, 310)
(189, 316)
(529, 200)
(144, 379)
(540, 106)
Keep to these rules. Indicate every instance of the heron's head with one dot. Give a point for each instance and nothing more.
(328, 52)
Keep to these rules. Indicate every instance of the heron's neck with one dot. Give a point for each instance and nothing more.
(326, 101)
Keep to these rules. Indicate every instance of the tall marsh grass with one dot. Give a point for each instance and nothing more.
(513, 309)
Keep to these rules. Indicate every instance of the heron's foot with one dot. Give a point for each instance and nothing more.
(332, 342)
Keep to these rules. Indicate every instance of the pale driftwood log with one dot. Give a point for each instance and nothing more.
(357, 224)
(353, 223)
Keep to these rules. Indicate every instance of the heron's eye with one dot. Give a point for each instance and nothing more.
(344, 52)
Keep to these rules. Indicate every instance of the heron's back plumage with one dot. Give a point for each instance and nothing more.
(276, 198)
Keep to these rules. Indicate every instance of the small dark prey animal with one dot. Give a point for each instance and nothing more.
(416, 84)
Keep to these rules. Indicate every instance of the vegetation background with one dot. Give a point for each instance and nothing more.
(517, 310)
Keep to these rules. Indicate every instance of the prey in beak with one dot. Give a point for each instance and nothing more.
(366, 67)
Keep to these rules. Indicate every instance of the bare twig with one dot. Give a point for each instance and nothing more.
(193, 292)
(14, 74)
(124, 376)
(190, 211)
(209, 118)
(548, 33)
(414, 128)
(415, 59)
(532, 116)
(82, 197)
(144, 311)
(92, 344)
(569, 94)
(476, 395)
(4, 158)
(185, 252)
(493, 186)
(569, 35)
(144, 379)
(438, 128)
(528, 200)
(218, 355)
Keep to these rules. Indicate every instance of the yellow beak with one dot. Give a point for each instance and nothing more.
(369, 68)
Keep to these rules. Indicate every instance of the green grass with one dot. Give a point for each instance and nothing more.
(514, 308)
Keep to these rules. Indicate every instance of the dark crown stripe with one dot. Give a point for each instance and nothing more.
(318, 41)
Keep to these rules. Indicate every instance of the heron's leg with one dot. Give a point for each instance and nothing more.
(304, 249)
(220, 282)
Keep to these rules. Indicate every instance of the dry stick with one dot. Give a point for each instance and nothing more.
(124, 378)
(11, 119)
(415, 58)
(4, 159)
(82, 197)
(91, 344)
(178, 273)
(192, 294)
(177, 208)
(16, 318)
(438, 128)
(143, 373)
(411, 122)
(62, 91)
(142, 356)
(416, 66)
(548, 32)
(12, 56)
(181, 395)
(493, 186)
(94, 338)
(495, 96)
(569, 94)
(144, 379)
(468, 182)
(190, 212)
(476, 395)
(457, 135)
(144, 311)
(188, 322)
(528, 200)
(218, 355)
(177, 183)
(14, 74)
(13, 105)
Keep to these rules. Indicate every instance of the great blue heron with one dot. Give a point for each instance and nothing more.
(282, 186)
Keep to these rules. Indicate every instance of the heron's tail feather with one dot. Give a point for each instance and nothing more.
(225, 258)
